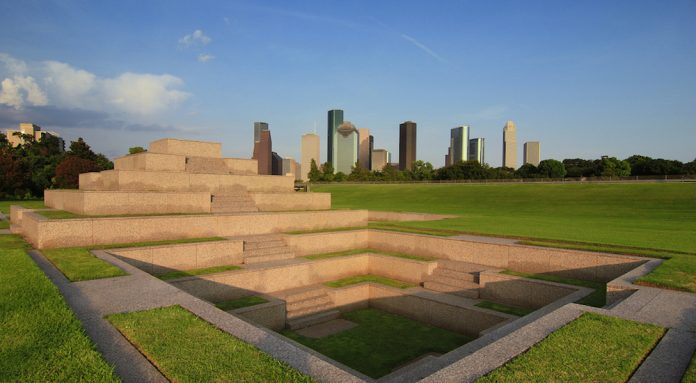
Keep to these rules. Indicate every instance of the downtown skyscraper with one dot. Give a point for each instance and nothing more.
(532, 152)
(459, 144)
(334, 121)
(407, 145)
(510, 145)
(347, 147)
(476, 150)
(310, 151)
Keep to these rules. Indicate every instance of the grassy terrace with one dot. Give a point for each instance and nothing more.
(363, 251)
(690, 374)
(26, 203)
(42, 341)
(239, 303)
(369, 278)
(512, 310)
(203, 271)
(187, 349)
(381, 341)
(62, 214)
(592, 348)
(78, 264)
(650, 219)
(598, 298)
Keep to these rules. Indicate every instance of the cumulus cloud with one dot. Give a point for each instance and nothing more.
(62, 85)
(205, 57)
(197, 37)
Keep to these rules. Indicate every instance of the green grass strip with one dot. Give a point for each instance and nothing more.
(363, 251)
(42, 340)
(401, 228)
(234, 304)
(512, 310)
(328, 230)
(690, 374)
(381, 341)
(592, 348)
(78, 264)
(4, 224)
(369, 278)
(185, 348)
(25, 203)
(598, 297)
(190, 273)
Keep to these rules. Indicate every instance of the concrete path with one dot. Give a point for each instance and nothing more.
(485, 239)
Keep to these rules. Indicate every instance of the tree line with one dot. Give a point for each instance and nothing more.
(473, 170)
(28, 169)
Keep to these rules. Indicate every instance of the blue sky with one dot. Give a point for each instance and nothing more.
(586, 78)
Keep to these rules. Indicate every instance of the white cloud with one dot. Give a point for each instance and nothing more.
(12, 65)
(204, 57)
(64, 86)
(197, 37)
(19, 90)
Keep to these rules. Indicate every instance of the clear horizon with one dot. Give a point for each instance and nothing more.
(585, 79)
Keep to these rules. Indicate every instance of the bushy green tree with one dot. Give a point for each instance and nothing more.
(527, 171)
(422, 171)
(314, 174)
(613, 167)
(327, 172)
(551, 169)
(136, 150)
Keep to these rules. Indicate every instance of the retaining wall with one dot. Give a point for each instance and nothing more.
(318, 243)
(124, 202)
(44, 233)
(292, 201)
(186, 147)
(186, 256)
(270, 314)
(521, 292)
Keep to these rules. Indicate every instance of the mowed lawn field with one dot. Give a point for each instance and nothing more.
(650, 215)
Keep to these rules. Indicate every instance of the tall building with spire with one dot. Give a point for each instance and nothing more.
(310, 151)
(510, 145)
(407, 145)
(334, 121)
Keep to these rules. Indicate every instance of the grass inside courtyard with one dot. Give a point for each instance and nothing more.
(239, 303)
(690, 374)
(646, 219)
(202, 271)
(369, 278)
(185, 348)
(25, 203)
(42, 340)
(598, 297)
(592, 348)
(512, 310)
(381, 341)
(363, 251)
(78, 264)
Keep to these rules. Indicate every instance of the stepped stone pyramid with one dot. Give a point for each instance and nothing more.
(183, 176)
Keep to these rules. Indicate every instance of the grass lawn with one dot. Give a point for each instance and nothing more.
(362, 251)
(592, 348)
(42, 341)
(78, 264)
(381, 341)
(189, 273)
(4, 224)
(690, 374)
(369, 278)
(27, 203)
(185, 348)
(649, 219)
(598, 298)
(512, 310)
(234, 304)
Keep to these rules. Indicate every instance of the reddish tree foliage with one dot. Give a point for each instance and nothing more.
(69, 169)
(12, 176)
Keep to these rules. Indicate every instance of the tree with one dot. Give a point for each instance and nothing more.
(136, 149)
(551, 169)
(358, 173)
(527, 171)
(13, 177)
(577, 167)
(422, 170)
(340, 177)
(327, 172)
(80, 149)
(612, 167)
(690, 167)
(390, 173)
(314, 174)
(69, 169)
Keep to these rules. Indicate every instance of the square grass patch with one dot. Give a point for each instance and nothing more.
(507, 309)
(186, 348)
(592, 348)
(381, 341)
(369, 278)
(4, 224)
(78, 264)
(25, 203)
(690, 374)
(239, 303)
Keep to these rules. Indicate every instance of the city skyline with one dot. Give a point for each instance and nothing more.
(560, 71)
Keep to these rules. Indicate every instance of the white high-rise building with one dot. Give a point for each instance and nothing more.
(510, 145)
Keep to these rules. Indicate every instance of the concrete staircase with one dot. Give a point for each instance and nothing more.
(454, 277)
(265, 248)
(232, 201)
(308, 306)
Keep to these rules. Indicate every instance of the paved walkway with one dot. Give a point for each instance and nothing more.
(485, 239)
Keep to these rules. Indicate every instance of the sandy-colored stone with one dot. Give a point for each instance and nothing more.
(186, 147)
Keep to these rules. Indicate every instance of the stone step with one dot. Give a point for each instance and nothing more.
(449, 273)
(253, 245)
(310, 320)
(471, 292)
(268, 258)
(261, 238)
(301, 293)
(455, 282)
(298, 313)
(265, 251)
(307, 303)
(463, 267)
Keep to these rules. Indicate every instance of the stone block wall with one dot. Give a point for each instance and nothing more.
(186, 147)
(318, 243)
(292, 201)
(120, 202)
(521, 292)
